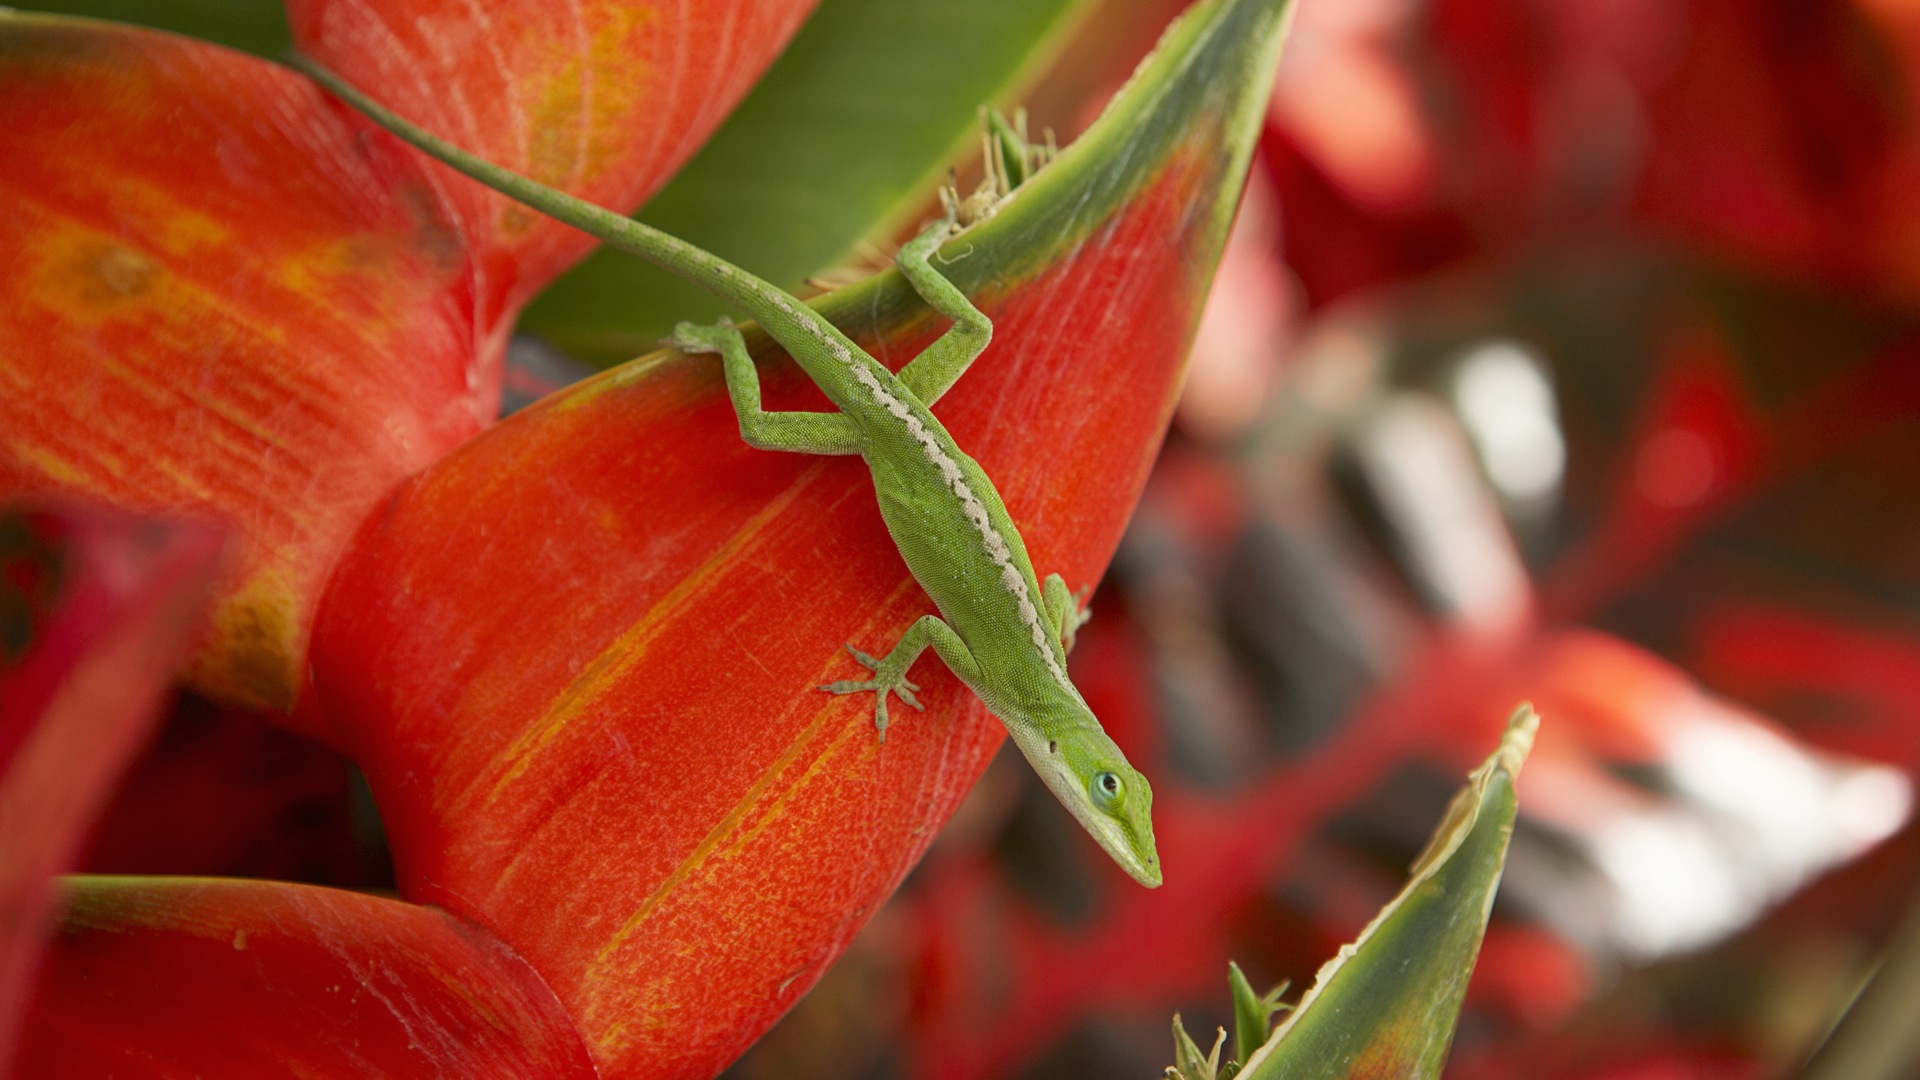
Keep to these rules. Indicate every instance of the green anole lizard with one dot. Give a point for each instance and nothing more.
(1000, 630)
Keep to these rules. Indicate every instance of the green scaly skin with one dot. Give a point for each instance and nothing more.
(999, 629)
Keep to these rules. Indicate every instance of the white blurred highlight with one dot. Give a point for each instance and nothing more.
(1748, 816)
(1507, 405)
(1423, 474)
(1672, 887)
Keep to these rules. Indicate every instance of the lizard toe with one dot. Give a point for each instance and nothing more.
(870, 663)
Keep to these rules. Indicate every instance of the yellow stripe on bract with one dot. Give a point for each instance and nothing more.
(590, 390)
(726, 832)
(607, 671)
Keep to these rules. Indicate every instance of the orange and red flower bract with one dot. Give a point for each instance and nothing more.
(261, 978)
(604, 99)
(201, 317)
(282, 311)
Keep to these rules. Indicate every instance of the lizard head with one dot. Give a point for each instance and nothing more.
(1091, 778)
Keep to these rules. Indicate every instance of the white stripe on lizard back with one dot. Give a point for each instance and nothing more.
(970, 505)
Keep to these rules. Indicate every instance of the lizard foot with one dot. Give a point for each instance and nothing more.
(882, 683)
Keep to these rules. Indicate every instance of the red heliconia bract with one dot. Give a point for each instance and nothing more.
(230, 295)
(167, 977)
(604, 99)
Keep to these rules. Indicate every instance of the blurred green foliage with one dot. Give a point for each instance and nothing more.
(842, 140)
(255, 26)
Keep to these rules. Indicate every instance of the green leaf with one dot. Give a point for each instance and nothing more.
(843, 139)
(1252, 1013)
(255, 26)
(1188, 1062)
(1386, 1006)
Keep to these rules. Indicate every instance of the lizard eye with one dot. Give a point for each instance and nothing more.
(1106, 789)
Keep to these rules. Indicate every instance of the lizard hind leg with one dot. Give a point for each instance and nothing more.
(794, 432)
(890, 671)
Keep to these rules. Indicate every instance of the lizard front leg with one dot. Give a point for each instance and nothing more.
(794, 432)
(890, 672)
